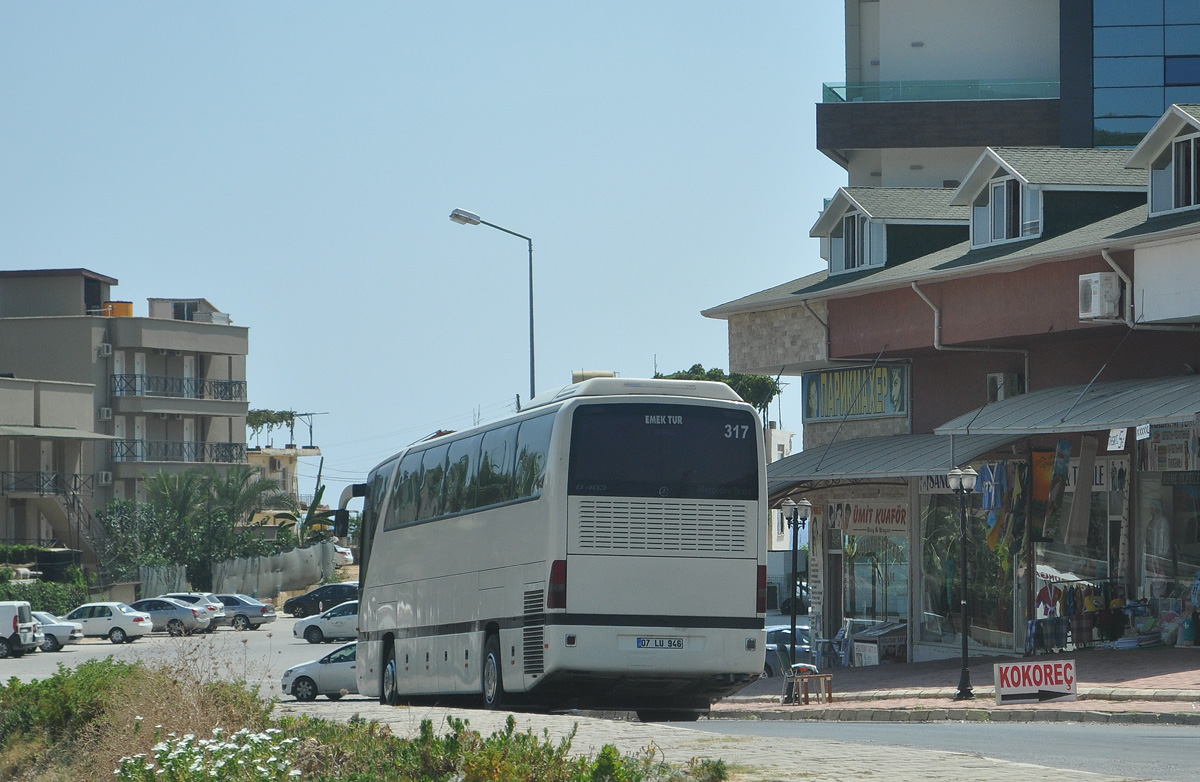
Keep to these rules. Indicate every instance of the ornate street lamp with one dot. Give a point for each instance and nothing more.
(962, 483)
(798, 513)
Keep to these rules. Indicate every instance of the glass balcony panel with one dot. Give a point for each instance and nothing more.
(969, 89)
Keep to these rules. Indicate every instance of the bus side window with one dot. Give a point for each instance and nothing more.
(460, 474)
(433, 477)
(494, 483)
(402, 508)
(533, 446)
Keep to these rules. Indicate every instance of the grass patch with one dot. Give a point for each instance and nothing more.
(171, 722)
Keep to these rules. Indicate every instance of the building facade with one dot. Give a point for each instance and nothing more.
(165, 392)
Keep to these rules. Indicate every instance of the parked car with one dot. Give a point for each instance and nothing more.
(247, 613)
(779, 648)
(116, 621)
(174, 617)
(338, 623)
(342, 556)
(208, 601)
(23, 638)
(57, 632)
(331, 676)
(320, 598)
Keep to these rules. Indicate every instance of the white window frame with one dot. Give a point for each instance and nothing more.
(986, 218)
(1164, 187)
(840, 257)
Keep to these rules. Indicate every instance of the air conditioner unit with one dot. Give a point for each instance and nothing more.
(177, 416)
(176, 352)
(105, 350)
(1099, 295)
(160, 351)
(275, 465)
(104, 478)
(1002, 385)
(161, 416)
(105, 414)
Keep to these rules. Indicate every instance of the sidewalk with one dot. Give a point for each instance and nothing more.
(1153, 685)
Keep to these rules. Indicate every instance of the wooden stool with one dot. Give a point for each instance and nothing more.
(823, 687)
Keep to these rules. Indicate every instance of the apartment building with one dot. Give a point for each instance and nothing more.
(167, 391)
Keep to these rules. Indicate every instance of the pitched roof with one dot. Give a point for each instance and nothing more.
(777, 297)
(1053, 168)
(898, 204)
(1176, 118)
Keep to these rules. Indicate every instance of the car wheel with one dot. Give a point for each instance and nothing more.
(313, 635)
(299, 612)
(492, 678)
(51, 644)
(240, 623)
(117, 635)
(304, 688)
(5, 648)
(175, 628)
(767, 672)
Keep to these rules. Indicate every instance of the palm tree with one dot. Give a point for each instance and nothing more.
(239, 492)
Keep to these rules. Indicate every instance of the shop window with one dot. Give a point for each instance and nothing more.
(876, 577)
(1170, 557)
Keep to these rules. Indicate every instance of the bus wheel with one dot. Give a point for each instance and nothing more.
(492, 683)
(389, 690)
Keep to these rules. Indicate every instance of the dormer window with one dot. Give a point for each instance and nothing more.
(1005, 210)
(1175, 176)
(856, 242)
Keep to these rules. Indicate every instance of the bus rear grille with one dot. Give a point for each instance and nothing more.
(533, 632)
(661, 526)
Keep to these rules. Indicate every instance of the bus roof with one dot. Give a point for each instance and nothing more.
(620, 386)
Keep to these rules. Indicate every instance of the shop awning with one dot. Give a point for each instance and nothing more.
(1111, 405)
(898, 456)
(51, 432)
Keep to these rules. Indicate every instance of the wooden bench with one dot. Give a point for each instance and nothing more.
(818, 685)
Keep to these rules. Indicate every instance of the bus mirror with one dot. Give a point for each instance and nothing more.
(341, 522)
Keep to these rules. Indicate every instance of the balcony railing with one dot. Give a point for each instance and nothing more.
(178, 387)
(177, 451)
(45, 483)
(967, 89)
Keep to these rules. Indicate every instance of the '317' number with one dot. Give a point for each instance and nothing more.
(735, 432)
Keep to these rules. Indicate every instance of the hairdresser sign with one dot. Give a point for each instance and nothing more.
(1035, 682)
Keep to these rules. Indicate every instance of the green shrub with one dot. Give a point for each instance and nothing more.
(55, 598)
(62, 705)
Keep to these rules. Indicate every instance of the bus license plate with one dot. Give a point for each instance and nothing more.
(660, 643)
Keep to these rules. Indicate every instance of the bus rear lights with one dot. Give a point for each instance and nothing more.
(556, 595)
(762, 589)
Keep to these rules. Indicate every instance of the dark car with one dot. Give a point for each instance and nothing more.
(779, 648)
(319, 599)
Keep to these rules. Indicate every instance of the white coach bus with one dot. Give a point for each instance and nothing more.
(604, 548)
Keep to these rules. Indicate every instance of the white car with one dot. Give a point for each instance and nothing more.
(338, 623)
(58, 632)
(117, 621)
(331, 676)
(342, 556)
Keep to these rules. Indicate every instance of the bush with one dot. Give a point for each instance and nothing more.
(49, 596)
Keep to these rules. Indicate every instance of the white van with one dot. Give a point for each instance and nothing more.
(18, 628)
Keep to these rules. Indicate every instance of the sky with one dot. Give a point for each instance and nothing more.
(296, 163)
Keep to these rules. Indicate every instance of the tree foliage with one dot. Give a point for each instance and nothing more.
(270, 420)
(192, 518)
(757, 390)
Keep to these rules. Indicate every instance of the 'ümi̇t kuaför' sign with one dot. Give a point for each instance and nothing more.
(856, 392)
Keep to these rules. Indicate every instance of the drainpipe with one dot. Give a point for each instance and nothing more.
(937, 337)
(833, 360)
(1129, 321)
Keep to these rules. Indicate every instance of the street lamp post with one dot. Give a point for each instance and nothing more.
(797, 520)
(962, 483)
(463, 217)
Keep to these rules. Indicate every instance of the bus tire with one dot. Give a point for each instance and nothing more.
(492, 676)
(389, 686)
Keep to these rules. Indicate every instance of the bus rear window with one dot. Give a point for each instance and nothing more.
(664, 450)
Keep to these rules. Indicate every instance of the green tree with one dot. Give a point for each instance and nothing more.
(758, 390)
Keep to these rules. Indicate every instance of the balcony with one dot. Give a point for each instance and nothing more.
(44, 483)
(178, 387)
(178, 451)
(966, 89)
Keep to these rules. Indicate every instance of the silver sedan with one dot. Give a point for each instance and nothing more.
(173, 616)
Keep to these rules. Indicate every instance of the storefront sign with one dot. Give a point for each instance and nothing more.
(856, 392)
(1035, 682)
(1172, 447)
(869, 517)
(1190, 478)
(1143, 431)
(1116, 439)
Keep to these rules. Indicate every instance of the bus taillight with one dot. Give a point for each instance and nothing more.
(762, 589)
(556, 595)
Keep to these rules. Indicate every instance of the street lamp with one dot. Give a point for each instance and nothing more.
(797, 520)
(962, 483)
(463, 217)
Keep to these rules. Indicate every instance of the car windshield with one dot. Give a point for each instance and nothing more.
(124, 609)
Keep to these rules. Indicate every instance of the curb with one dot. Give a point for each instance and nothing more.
(923, 714)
